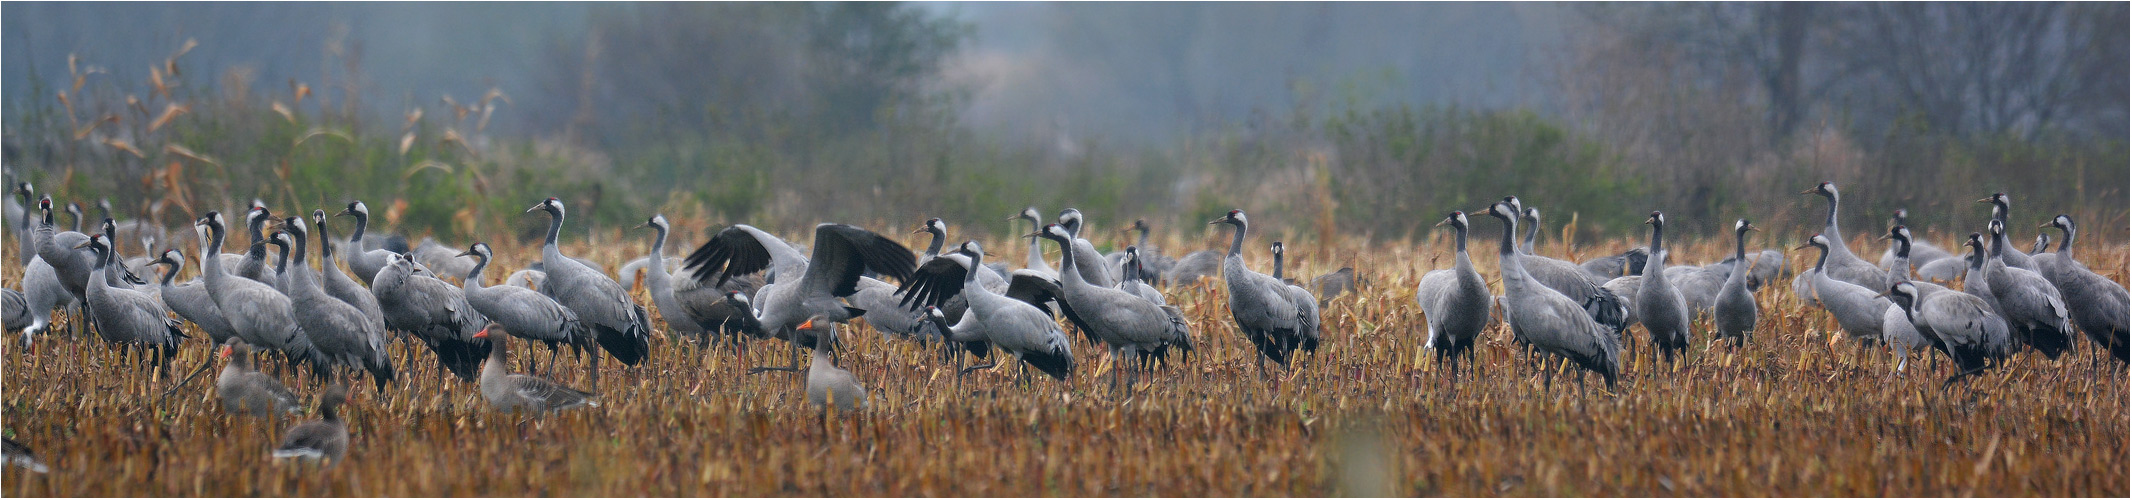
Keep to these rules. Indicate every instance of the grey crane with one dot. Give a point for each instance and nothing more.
(144, 230)
(2097, 304)
(16, 309)
(1455, 302)
(1262, 306)
(1135, 328)
(1332, 285)
(1134, 277)
(1603, 306)
(364, 261)
(522, 312)
(619, 325)
(124, 315)
(340, 333)
(663, 294)
(1016, 321)
(337, 283)
(261, 315)
(2034, 310)
(1735, 313)
(1306, 303)
(955, 307)
(24, 234)
(1152, 261)
(1627, 263)
(245, 391)
(1545, 318)
(507, 391)
(1664, 314)
(61, 250)
(1843, 265)
(1921, 252)
(1091, 269)
(800, 287)
(1624, 287)
(323, 440)
(827, 384)
(19, 455)
(441, 260)
(1193, 267)
(1944, 270)
(1857, 309)
(1968, 331)
(2001, 207)
(42, 290)
(627, 274)
(191, 301)
(254, 265)
(1763, 267)
(1698, 285)
(434, 312)
(1895, 325)
(1035, 261)
(693, 301)
(1976, 283)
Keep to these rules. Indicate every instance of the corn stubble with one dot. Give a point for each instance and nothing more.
(1799, 411)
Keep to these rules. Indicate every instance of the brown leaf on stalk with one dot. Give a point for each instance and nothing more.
(170, 65)
(413, 116)
(451, 136)
(393, 213)
(407, 142)
(184, 152)
(418, 166)
(284, 110)
(122, 145)
(155, 81)
(133, 102)
(318, 131)
(300, 90)
(170, 111)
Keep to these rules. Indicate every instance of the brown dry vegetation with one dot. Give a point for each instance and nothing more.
(1800, 411)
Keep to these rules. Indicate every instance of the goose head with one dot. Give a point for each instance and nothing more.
(553, 206)
(1234, 218)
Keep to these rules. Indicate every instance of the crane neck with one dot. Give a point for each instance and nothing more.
(977, 262)
(1739, 246)
(325, 244)
(481, 262)
(171, 272)
(362, 223)
(1820, 264)
(1461, 238)
(1532, 236)
(1143, 239)
(1236, 245)
(1998, 245)
(281, 260)
(1902, 257)
(1036, 253)
(555, 227)
(658, 244)
(933, 249)
(258, 248)
(1510, 231)
(1831, 232)
(2065, 247)
(301, 247)
(1277, 265)
(1658, 237)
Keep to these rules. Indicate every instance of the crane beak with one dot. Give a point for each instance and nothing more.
(344, 212)
(2047, 224)
(920, 229)
(1801, 247)
(1751, 227)
(1986, 199)
(1809, 191)
(535, 207)
(84, 244)
(1884, 237)
(468, 253)
(1033, 235)
(1442, 222)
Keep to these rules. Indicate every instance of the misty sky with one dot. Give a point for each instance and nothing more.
(1120, 72)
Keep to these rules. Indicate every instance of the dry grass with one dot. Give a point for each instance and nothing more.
(1799, 412)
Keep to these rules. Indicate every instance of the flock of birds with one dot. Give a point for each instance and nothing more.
(746, 283)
